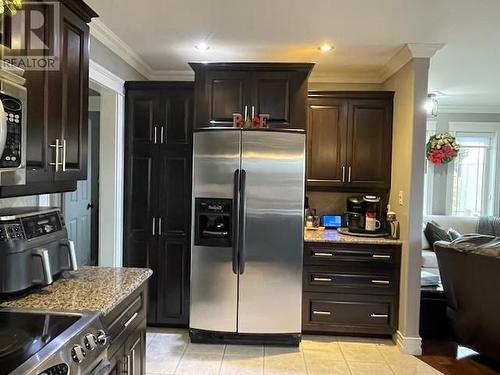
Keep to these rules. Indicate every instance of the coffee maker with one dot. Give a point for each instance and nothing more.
(363, 214)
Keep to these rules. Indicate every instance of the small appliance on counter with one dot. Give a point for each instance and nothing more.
(34, 248)
(363, 216)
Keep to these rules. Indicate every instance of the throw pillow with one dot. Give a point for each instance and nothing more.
(433, 232)
(454, 234)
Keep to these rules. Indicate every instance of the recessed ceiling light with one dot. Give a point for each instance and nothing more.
(326, 48)
(202, 46)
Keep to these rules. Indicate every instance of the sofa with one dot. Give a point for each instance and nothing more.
(470, 273)
(462, 224)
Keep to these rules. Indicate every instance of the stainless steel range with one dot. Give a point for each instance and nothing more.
(48, 343)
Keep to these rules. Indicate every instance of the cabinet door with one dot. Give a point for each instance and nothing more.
(141, 186)
(226, 92)
(370, 143)
(272, 94)
(326, 143)
(135, 350)
(73, 82)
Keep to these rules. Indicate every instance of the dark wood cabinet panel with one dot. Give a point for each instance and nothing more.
(173, 285)
(57, 106)
(157, 222)
(350, 140)
(278, 89)
(351, 288)
(74, 81)
(370, 143)
(326, 134)
(226, 93)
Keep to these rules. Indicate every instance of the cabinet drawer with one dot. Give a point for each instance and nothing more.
(322, 279)
(343, 312)
(321, 254)
(129, 318)
(349, 313)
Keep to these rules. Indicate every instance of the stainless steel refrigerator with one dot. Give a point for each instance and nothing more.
(247, 235)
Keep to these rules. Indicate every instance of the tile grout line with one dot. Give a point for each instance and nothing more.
(343, 356)
(180, 359)
(385, 359)
(222, 360)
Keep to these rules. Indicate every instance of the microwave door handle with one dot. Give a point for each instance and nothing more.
(3, 128)
(242, 222)
(43, 254)
(70, 245)
(236, 210)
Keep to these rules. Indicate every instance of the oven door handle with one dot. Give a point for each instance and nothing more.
(43, 254)
(70, 245)
(3, 128)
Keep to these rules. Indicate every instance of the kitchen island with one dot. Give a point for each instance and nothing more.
(119, 294)
(350, 284)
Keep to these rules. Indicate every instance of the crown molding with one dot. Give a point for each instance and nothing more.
(495, 109)
(107, 37)
(405, 54)
(172, 75)
(411, 50)
(106, 78)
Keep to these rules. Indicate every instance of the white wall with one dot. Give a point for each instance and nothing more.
(408, 157)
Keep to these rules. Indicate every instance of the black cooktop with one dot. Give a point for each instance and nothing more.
(24, 334)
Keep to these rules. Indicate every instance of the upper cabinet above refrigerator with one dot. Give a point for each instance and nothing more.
(277, 89)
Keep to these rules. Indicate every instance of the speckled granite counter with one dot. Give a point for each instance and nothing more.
(88, 289)
(332, 236)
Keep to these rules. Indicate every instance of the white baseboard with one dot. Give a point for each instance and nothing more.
(408, 345)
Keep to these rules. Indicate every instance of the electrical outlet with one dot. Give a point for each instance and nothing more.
(400, 196)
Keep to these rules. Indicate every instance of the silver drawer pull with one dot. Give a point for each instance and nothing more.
(316, 254)
(375, 316)
(315, 312)
(327, 279)
(384, 282)
(128, 322)
(379, 256)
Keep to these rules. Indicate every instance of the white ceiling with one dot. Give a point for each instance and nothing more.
(366, 35)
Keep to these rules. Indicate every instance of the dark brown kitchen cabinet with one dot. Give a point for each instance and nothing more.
(277, 89)
(351, 288)
(57, 105)
(349, 140)
(158, 153)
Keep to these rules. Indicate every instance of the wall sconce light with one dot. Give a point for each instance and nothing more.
(431, 105)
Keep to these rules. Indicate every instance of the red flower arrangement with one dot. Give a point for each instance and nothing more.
(442, 148)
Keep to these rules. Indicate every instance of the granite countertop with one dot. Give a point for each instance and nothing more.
(332, 236)
(88, 289)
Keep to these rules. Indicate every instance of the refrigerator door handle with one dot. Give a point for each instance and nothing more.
(242, 222)
(236, 213)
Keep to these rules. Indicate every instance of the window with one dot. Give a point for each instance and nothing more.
(471, 176)
(467, 186)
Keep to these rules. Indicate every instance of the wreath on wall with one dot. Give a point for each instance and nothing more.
(442, 148)
(10, 7)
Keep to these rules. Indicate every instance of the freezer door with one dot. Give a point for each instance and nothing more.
(214, 285)
(272, 199)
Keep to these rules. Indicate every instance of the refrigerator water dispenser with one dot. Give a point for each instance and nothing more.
(213, 222)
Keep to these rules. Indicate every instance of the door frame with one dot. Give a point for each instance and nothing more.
(111, 162)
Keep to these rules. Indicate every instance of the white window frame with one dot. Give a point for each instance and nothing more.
(477, 127)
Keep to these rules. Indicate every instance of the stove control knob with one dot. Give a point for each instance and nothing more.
(90, 341)
(78, 354)
(102, 338)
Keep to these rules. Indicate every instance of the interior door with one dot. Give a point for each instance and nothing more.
(78, 217)
(214, 285)
(272, 199)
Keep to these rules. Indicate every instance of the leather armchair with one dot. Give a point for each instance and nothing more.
(470, 273)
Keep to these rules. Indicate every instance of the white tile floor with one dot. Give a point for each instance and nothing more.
(169, 352)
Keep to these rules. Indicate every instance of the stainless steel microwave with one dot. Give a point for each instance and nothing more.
(13, 97)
